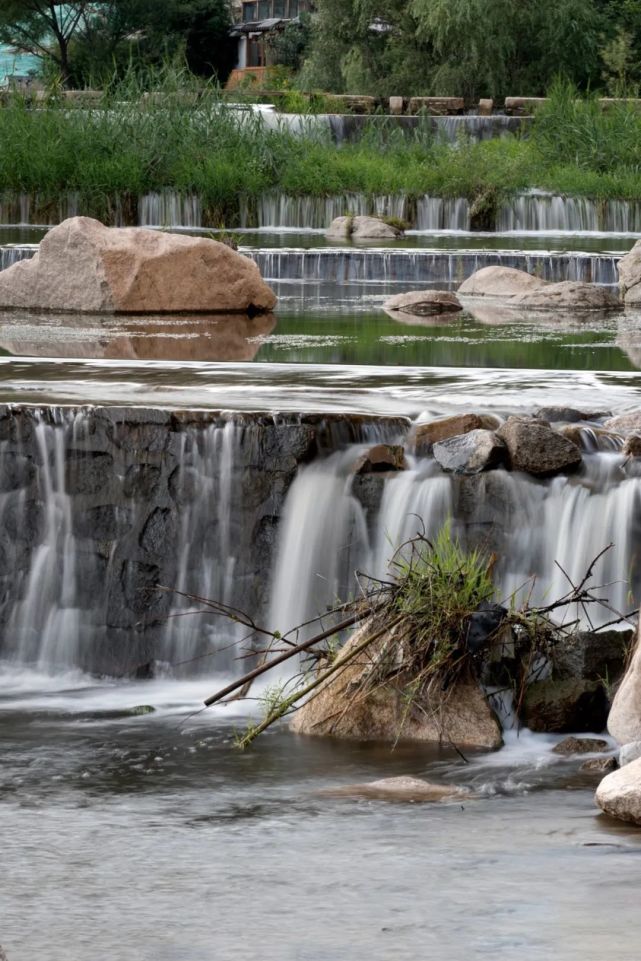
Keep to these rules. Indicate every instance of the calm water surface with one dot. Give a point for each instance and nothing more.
(152, 839)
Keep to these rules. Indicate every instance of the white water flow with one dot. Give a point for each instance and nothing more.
(538, 211)
(47, 622)
(207, 552)
(170, 209)
(331, 531)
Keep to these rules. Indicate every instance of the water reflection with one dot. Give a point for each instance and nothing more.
(191, 337)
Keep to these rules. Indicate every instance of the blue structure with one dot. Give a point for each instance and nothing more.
(16, 64)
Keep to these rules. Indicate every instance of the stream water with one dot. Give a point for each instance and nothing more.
(149, 837)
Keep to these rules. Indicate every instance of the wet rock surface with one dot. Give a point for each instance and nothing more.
(424, 303)
(536, 448)
(581, 745)
(380, 459)
(361, 228)
(470, 453)
(424, 436)
(564, 705)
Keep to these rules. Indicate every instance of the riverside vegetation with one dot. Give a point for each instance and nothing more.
(183, 136)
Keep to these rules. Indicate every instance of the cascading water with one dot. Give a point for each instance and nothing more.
(529, 524)
(538, 211)
(422, 266)
(13, 253)
(438, 213)
(170, 209)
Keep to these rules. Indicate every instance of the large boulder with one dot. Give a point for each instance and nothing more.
(82, 266)
(619, 794)
(424, 436)
(459, 715)
(567, 295)
(423, 303)
(361, 228)
(630, 275)
(522, 290)
(624, 722)
(470, 453)
(564, 705)
(499, 282)
(536, 448)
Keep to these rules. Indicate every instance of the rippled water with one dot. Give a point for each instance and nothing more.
(152, 839)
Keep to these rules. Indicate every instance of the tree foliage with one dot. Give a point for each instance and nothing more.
(473, 47)
(89, 40)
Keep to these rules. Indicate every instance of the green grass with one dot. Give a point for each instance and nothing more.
(188, 141)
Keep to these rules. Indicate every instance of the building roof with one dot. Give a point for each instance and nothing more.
(257, 26)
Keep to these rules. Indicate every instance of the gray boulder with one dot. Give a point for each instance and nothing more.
(361, 228)
(625, 423)
(499, 282)
(568, 415)
(630, 275)
(565, 705)
(624, 722)
(536, 448)
(470, 453)
(401, 789)
(526, 292)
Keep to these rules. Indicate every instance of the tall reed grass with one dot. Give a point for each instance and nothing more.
(186, 138)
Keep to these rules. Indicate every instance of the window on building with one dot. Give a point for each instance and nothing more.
(293, 8)
(249, 12)
(264, 9)
(280, 8)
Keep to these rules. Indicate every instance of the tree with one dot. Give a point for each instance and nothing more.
(45, 28)
(143, 33)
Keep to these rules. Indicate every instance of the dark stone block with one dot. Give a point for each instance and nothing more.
(87, 472)
(105, 523)
(158, 536)
(566, 706)
(142, 481)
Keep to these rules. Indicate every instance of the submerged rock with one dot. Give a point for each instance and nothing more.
(82, 266)
(569, 415)
(536, 448)
(424, 436)
(619, 794)
(599, 765)
(361, 228)
(459, 715)
(581, 745)
(423, 303)
(401, 789)
(470, 453)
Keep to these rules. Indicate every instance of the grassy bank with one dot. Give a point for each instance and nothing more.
(127, 146)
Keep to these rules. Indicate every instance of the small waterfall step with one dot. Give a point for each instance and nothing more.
(421, 266)
(413, 266)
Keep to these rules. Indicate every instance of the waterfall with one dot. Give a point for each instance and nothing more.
(422, 266)
(438, 213)
(350, 128)
(12, 253)
(529, 524)
(170, 209)
(537, 211)
(475, 128)
(276, 210)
